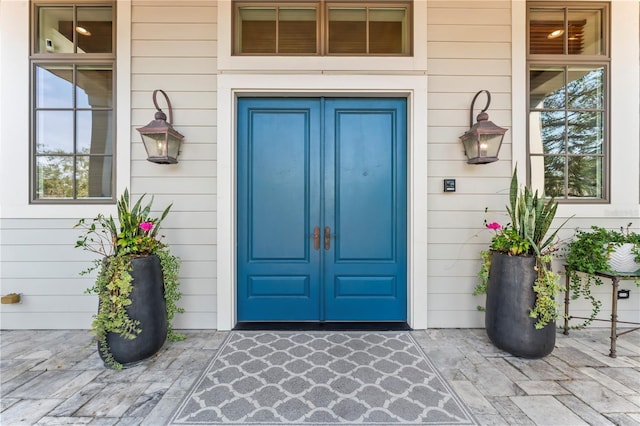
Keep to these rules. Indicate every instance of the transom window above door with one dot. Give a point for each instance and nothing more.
(322, 28)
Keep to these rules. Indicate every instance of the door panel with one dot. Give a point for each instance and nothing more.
(278, 202)
(337, 167)
(365, 271)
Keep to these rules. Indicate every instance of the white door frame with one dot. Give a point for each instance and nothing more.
(413, 87)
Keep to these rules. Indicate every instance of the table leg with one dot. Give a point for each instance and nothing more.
(614, 315)
(566, 302)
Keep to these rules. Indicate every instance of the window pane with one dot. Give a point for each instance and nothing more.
(94, 29)
(54, 86)
(546, 31)
(54, 30)
(347, 30)
(93, 132)
(554, 173)
(546, 88)
(585, 32)
(297, 31)
(585, 177)
(586, 132)
(256, 30)
(54, 132)
(387, 31)
(547, 132)
(93, 177)
(54, 177)
(95, 87)
(586, 88)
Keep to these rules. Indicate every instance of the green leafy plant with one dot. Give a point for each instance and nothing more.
(588, 253)
(134, 234)
(531, 216)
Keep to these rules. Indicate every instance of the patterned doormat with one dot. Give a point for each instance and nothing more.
(286, 377)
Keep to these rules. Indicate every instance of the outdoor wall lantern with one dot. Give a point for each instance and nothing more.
(483, 140)
(160, 139)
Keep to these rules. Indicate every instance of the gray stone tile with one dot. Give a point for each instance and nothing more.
(600, 352)
(104, 421)
(51, 420)
(162, 412)
(566, 369)
(489, 380)
(600, 398)
(45, 385)
(473, 398)
(576, 358)
(28, 412)
(546, 410)
(492, 420)
(16, 381)
(72, 404)
(112, 401)
(622, 419)
(609, 382)
(507, 369)
(592, 383)
(129, 421)
(6, 403)
(147, 401)
(629, 377)
(13, 368)
(542, 387)
(510, 411)
(537, 369)
(635, 417)
(585, 412)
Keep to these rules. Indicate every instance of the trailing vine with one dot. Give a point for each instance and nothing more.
(134, 235)
(483, 276)
(587, 254)
(531, 215)
(170, 268)
(547, 287)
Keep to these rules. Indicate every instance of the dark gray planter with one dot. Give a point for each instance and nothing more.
(510, 296)
(147, 306)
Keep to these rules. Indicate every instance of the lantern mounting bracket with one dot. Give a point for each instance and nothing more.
(160, 115)
(473, 102)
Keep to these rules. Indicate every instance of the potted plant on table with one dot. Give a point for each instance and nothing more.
(137, 283)
(600, 250)
(521, 307)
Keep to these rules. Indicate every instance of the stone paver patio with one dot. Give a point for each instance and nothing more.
(56, 377)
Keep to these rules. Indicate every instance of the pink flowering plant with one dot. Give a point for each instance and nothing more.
(507, 240)
(133, 234)
(531, 215)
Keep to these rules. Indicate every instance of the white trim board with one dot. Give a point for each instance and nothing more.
(414, 88)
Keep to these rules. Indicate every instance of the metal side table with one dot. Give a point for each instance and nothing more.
(615, 278)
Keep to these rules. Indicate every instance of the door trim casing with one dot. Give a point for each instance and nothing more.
(412, 87)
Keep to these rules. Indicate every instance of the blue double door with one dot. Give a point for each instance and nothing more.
(321, 202)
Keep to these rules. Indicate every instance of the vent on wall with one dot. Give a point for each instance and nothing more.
(547, 37)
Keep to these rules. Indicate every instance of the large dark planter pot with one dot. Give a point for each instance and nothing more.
(510, 296)
(147, 306)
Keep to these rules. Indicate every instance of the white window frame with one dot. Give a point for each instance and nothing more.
(367, 64)
(14, 116)
(414, 88)
(624, 111)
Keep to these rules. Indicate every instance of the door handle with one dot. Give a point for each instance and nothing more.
(327, 238)
(316, 238)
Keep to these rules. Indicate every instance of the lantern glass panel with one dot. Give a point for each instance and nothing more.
(155, 144)
(489, 145)
(174, 146)
(471, 145)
